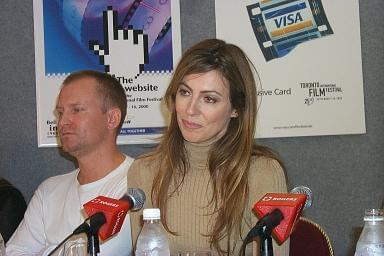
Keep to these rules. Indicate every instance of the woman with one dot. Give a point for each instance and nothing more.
(207, 173)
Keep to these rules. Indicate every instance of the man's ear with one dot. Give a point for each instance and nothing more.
(114, 118)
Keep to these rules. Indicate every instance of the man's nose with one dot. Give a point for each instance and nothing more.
(63, 119)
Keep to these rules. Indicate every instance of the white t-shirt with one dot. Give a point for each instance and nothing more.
(56, 209)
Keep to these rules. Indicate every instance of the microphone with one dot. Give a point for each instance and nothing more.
(306, 191)
(108, 214)
(279, 211)
(105, 213)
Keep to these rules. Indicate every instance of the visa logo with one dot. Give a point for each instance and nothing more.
(287, 20)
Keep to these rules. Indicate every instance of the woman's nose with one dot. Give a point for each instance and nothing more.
(193, 107)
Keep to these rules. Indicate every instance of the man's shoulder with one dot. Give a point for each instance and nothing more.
(55, 182)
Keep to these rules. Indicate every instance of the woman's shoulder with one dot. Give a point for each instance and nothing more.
(146, 161)
(265, 163)
(144, 165)
(267, 171)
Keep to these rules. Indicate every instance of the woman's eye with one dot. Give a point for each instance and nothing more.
(183, 92)
(210, 99)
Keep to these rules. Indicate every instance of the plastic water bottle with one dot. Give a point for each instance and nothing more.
(371, 241)
(2, 246)
(152, 240)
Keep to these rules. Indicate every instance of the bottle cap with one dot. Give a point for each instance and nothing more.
(374, 215)
(151, 214)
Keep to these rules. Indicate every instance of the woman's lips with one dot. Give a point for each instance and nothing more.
(191, 125)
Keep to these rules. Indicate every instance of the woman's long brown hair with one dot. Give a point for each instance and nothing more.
(230, 157)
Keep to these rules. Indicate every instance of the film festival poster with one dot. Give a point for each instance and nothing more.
(136, 41)
(308, 57)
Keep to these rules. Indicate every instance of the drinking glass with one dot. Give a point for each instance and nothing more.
(193, 253)
(75, 248)
(2, 246)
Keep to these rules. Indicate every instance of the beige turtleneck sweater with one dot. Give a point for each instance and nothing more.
(188, 214)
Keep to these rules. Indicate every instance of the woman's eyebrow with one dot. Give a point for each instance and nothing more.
(205, 91)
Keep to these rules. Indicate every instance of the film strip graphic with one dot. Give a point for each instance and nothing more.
(84, 22)
(151, 16)
(280, 25)
(130, 13)
(155, 11)
(164, 30)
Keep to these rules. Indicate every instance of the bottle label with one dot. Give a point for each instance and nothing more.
(371, 250)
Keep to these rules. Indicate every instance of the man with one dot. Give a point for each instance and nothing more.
(91, 108)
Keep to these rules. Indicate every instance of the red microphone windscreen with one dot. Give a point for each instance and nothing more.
(114, 211)
(290, 205)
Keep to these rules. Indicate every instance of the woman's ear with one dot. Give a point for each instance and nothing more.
(234, 114)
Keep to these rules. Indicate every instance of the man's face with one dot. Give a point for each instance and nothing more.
(82, 125)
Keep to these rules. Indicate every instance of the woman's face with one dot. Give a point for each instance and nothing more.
(203, 107)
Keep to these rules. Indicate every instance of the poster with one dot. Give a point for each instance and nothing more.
(137, 41)
(308, 57)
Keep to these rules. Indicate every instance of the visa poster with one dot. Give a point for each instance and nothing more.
(136, 41)
(308, 57)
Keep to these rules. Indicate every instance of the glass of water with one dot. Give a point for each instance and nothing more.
(2, 246)
(75, 248)
(193, 253)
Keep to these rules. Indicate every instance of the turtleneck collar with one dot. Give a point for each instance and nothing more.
(197, 153)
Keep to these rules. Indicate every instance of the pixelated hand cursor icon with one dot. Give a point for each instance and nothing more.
(125, 51)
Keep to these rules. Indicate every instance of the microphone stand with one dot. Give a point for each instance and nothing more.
(93, 246)
(266, 248)
(263, 230)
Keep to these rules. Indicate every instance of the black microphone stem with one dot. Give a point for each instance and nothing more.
(266, 247)
(95, 223)
(263, 230)
(93, 244)
(268, 222)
